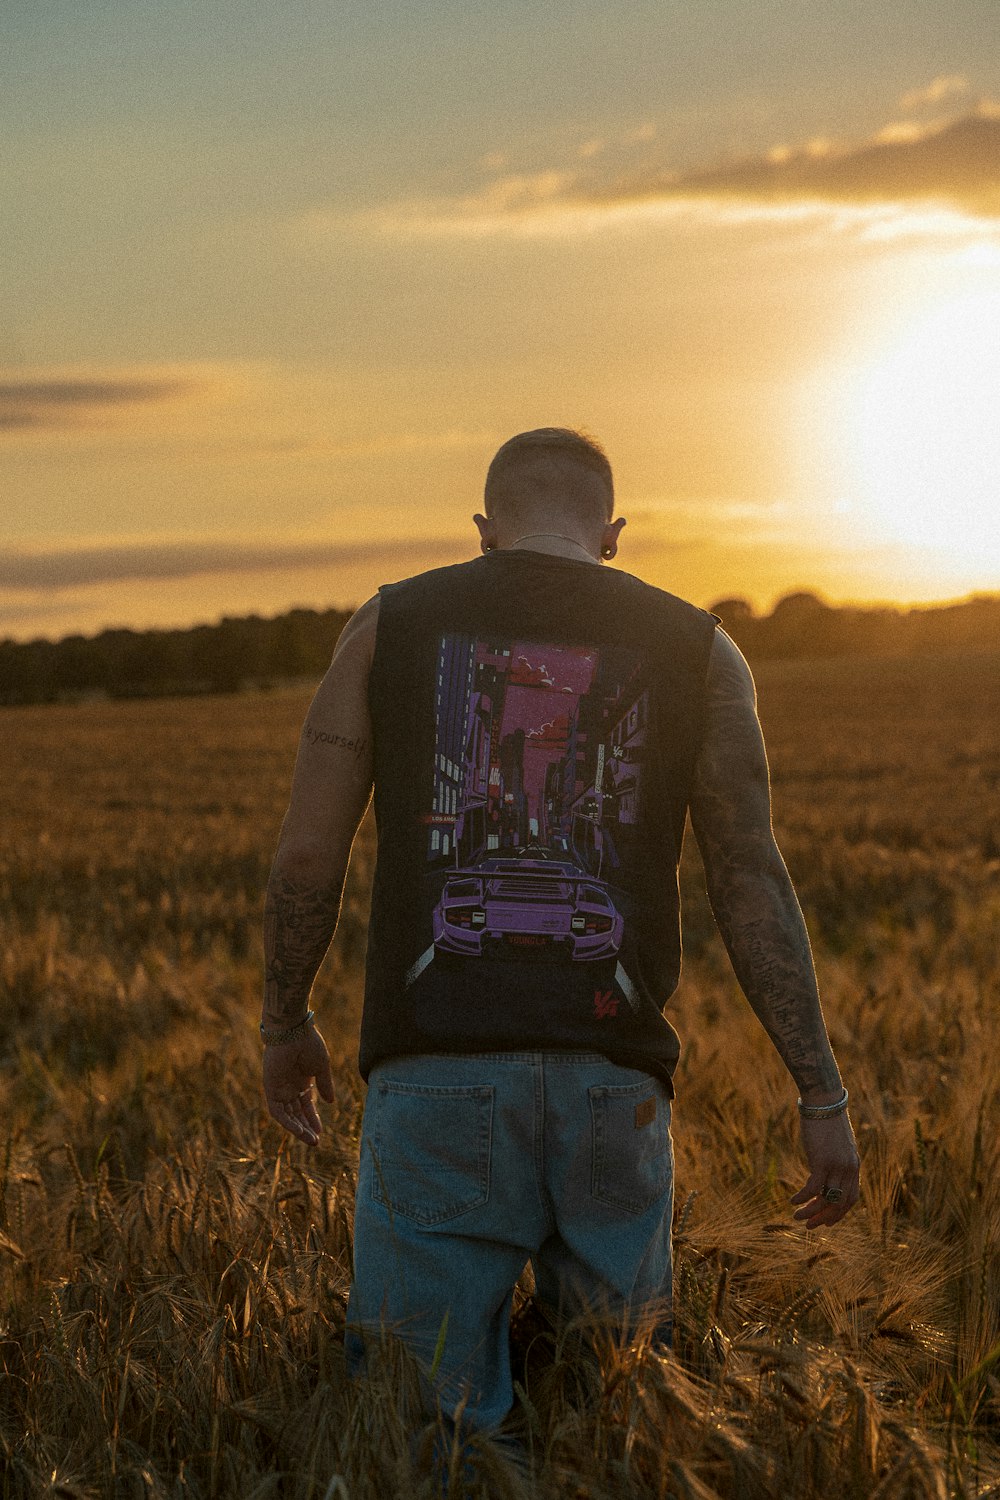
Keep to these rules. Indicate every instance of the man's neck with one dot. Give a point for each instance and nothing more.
(557, 544)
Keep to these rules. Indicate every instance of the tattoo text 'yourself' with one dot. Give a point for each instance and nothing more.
(339, 742)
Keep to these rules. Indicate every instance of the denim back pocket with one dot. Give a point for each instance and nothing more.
(632, 1156)
(432, 1149)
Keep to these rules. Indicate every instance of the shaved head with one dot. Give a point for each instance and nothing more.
(550, 469)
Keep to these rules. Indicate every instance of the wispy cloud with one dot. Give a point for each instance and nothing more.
(956, 162)
(920, 164)
(945, 86)
(380, 445)
(32, 403)
(85, 565)
(511, 200)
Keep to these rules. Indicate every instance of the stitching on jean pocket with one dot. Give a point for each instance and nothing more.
(630, 1166)
(433, 1148)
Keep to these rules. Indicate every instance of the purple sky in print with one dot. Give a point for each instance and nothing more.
(543, 690)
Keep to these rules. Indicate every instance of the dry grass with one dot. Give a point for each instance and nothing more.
(174, 1276)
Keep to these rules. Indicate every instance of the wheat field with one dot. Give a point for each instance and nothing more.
(175, 1272)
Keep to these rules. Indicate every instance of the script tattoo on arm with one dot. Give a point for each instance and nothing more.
(300, 919)
(358, 744)
(749, 888)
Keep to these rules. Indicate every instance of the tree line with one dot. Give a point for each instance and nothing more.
(253, 652)
(222, 658)
(801, 624)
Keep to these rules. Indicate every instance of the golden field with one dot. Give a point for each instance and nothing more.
(175, 1271)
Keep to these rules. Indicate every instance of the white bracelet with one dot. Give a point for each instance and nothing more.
(823, 1111)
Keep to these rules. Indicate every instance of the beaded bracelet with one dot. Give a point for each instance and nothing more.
(823, 1111)
(274, 1038)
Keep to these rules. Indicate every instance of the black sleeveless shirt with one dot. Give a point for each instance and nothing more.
(536, 720)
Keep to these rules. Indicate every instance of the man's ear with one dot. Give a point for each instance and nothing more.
(487, 532)
(609, 538)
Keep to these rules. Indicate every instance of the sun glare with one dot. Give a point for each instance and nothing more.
(927, 431)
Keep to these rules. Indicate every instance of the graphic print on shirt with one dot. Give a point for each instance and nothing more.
(534, 808)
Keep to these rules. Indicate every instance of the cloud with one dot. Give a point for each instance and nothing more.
(381, 446)
(515, 198)
(945, 86)
(957, 162)
(27, 403)
(531, 674)
(56, 569)
(554, 732)
(951, 163)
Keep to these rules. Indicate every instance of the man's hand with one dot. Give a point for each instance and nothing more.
(833, 1163)
(290, 1070)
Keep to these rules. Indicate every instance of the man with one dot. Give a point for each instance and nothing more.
(536, 727)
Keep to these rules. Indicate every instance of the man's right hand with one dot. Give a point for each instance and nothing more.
(290, 1070)
(832, 1153)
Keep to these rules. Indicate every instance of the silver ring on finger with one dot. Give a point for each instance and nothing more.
(832, 1194)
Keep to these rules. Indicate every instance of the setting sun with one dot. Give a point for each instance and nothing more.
(927, 433)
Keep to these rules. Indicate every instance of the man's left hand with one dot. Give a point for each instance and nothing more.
(290, 1070)
(832, 1154)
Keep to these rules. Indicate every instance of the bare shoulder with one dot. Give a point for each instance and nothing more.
(730, 680)
(345, 682)
(730, 793)
(333, 769)
(357, 638)
(732, 742)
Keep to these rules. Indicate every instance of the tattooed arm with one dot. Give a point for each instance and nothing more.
(759, 916)
(331, 789)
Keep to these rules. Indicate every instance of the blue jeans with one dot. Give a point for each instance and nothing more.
(471, 1166)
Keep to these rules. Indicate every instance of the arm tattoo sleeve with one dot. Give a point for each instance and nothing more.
(299, 922)
(749, 888)
(766, 937)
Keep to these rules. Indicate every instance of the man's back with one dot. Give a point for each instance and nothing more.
(536, 721)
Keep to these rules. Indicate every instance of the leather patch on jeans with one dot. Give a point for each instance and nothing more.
(645, 1113)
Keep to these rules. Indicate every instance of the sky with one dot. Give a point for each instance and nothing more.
(277, 280)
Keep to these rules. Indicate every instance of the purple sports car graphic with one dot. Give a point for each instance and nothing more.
(529, 906)
(532, 812)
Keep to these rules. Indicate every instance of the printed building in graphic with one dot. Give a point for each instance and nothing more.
(628, 739)
(537, 746)
(452, 692)
(469, 694)
(484, 791)
(591, 792)
(514, 819)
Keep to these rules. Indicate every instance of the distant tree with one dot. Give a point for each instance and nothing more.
(738, 621)
(801, 605)
(796, 626)
(732, 611)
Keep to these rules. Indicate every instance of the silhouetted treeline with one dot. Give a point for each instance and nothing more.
(254, 652)
(219, 658)
(803, 625)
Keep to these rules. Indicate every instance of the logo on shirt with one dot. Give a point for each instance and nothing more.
(605, 1004)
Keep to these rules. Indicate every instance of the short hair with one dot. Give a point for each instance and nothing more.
(540, 463)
